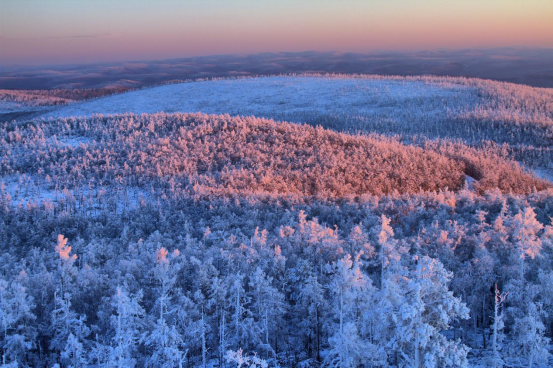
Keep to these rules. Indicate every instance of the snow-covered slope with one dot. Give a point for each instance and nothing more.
(472, 110)
(248, 229)
(272, 97)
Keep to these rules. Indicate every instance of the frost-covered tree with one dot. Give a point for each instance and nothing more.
(389, 252)
(359, 241)
(381, 318)
(65, 264)
(241, 323)
(18, 334)
(240, 360)
(74, 353)
(481, 276)
(201, 326)
(497, 328)
(218, 302)
(268, 306)
(352, 292)
(127, 325)
(69, 333)
(309, 305)
(69, 329)
(349, 350)
(525, 236)
(529, 340)
(429, 308)
(164, 339)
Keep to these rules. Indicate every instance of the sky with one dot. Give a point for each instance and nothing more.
(48, 32)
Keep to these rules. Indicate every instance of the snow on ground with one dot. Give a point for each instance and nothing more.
(9, 106)
(544, 173)
(275, 97)
(24, 190)
(10, 110)
(470, 183)
(74, 141)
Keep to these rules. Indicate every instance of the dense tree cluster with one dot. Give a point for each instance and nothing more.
(170, 240)
(189, 155)
(516, 118)
(35, 98)
(405, 280)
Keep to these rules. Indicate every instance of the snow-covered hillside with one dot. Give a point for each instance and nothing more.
(471, 110)
(270, 97)
(177, 239)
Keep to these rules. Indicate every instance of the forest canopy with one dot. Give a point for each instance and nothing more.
(180, 239)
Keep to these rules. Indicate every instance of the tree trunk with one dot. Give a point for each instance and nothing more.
(341, 328)
(267, 333)
(318, 337)
(521, 268)
(475, 327)
(495, 317)
(418, 321)
(203, 341)
(237, 315)
(484, 323)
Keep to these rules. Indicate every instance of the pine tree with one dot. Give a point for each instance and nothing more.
(127, 324)
(383, 316)
(164, 339)
(529, 338)
(238, 301)
(308, 307)
(481, 276)
(427, 309)
(73, 353)
(268, 306)
(69, 330)
(498, 326)
(202, 328)
(358, 241)
(16, 323)
(525, 236)
(388, 250)
(217, 301)
(65, 264)
(348, 349)
(352, 291)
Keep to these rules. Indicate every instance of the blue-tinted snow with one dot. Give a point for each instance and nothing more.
(280, 98)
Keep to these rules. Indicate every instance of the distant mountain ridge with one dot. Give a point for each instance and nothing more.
(530, 66)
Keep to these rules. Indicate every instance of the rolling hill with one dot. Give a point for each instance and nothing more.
(255, 215)
(196, 155)
(476, 112)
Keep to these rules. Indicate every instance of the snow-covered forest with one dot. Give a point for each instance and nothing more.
(401, 225)
(478, 112)
(36, 98)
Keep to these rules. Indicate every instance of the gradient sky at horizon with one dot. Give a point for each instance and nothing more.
(39, 32)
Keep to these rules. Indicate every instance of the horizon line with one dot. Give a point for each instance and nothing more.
(24, 66)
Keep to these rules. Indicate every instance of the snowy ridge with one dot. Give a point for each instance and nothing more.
(476, 112)
(261, 96)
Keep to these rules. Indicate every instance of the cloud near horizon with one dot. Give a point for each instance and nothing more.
(69, 32)
(97, 35)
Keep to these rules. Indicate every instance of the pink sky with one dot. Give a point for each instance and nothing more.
(63, 31)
